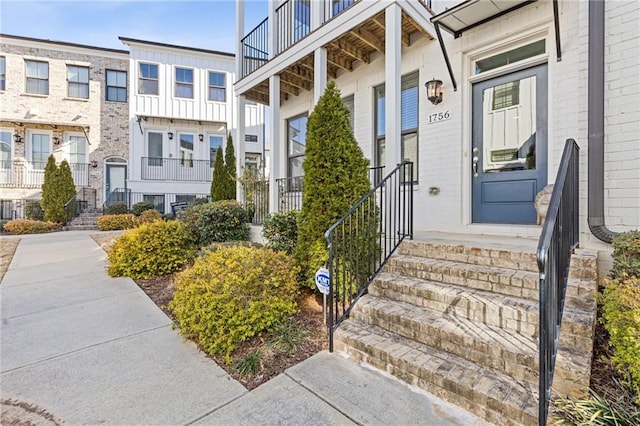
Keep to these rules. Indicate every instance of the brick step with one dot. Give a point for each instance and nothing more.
(471, 254)
(506, 312)
(509, 352)
(82, 227)
(480, 390)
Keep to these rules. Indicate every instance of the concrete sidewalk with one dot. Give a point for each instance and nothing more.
(92, 349)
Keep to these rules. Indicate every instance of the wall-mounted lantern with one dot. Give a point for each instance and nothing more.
(434, 91)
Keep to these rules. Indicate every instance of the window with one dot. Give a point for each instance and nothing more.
(215, 142)
(116, 86)
(511, 56)
(37, 77)
(506, 95)
(3, 73)
(296, 141)
(408, 122)
(148, 82)
(186, 150)
(6, 209)
(40, 150)
(154, 152)
(6, 149)
(185, 198)
(217, 87)
(77, 152)
(349, 103)
(77, 82)
(156, 200)
(184, 83)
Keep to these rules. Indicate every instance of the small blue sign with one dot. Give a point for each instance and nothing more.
(323, 281)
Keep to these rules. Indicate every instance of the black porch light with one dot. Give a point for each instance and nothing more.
(434, 91)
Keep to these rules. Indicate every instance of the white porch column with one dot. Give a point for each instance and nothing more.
(239, 35)
(272, 32)
(392, 71)
(317, 14)
(319, 72)
(276, 142)
(240, 104)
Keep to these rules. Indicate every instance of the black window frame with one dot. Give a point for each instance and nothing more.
(117, 88)
(290, 156)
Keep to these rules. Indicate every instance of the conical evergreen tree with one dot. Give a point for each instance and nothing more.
(336, 176)
(50, 203)
(66, 188)
(230, 165)
(219, 180)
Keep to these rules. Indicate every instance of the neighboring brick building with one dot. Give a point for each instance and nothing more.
(64, 99)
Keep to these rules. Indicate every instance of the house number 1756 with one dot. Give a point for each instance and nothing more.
(438, 116)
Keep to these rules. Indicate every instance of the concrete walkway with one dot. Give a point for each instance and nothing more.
(91, 349)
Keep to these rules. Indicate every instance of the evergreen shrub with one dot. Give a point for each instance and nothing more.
(57, 189)
(151, 250)
(281, 231)
(33, 210)
(142, 206)
(148, 216)
(28, 226)
(232, 294)
(117, 208)
(626, 255)
(216, 222)
(114, 222)
(336, 176)
(219, 181)
(230, 166)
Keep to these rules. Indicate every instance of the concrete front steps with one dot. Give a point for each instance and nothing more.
(460, 320)
(87, 220)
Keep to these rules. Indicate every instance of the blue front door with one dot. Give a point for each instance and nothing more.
(509, 149)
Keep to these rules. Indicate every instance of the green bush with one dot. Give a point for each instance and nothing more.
(230, 166)
(151, 250)
(220, 179)
(621, 319)
(149, 216)
(233, 294)
(28, 226)
(117, 208)
(281, 231)
(3, 222)
(114, 222)
(626, 255)
(57, 189)
(216, 222)
(33, 210)
(142, 206)
(336, 176)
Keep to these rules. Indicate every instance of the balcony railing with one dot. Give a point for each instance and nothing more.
(176, 169)
(161, 200)
(255, 48)
(30, 174)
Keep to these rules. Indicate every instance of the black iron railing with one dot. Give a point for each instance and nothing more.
(293, 23)
(176, 169)
(558, 239)
(335, 7)
(289, 193)
(255, 48)
(256, 201)
(83, 200)
(160, 200)
(364, 238)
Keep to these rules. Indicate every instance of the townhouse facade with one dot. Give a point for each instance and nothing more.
(182, 109)
(65, 99)
(511, 84)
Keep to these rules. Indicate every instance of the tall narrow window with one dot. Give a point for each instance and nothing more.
(40, 150)
(217, 87)
(77, 152)
(77, 82)
(408, 123)
(215, 142)
(186, 150)
(296, 141)
(6, 149)
(3, 73)
(155, 148)
(349, 103)
(116, 86)
(184, 83)
(156, 199)
(148, 81)
(37, 74)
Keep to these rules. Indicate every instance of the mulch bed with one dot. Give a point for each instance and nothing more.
(274, 362)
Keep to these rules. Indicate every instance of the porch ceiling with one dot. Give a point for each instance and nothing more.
(356, 44)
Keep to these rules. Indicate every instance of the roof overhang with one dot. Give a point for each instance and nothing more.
(222, 126)
(472, 13)
(54, 125)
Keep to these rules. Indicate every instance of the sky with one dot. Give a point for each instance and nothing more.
(207, 24)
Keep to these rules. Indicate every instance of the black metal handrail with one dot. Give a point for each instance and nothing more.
(255, 48)
(558, 239)
(82, 200)
(364, 238)
(161, 200)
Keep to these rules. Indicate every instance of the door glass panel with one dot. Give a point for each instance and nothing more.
(509, 126)
(155, 149)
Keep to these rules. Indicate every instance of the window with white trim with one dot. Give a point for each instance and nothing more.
(37, 77)
(77, 82)
(296, 143)
(6, 149)
(77, 152)
(186, 149)
(40, 150)
(217, 87)
(3, 73)
(148, 79)
(215, 142)
(184, 83)
(116, 86)
(156, 199)
(154, 148)
(350, 104)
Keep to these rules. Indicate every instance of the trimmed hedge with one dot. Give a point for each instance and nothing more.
(281, 231)
(117, 208)
(142, 206)
(28, 226)
(114, 222)
(33, 210)
(148, 216)
(151, 250)
(216, 222)
(232, 294)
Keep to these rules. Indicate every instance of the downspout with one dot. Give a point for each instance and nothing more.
(595, 84)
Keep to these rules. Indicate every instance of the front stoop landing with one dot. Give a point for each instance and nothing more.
(461, 321)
